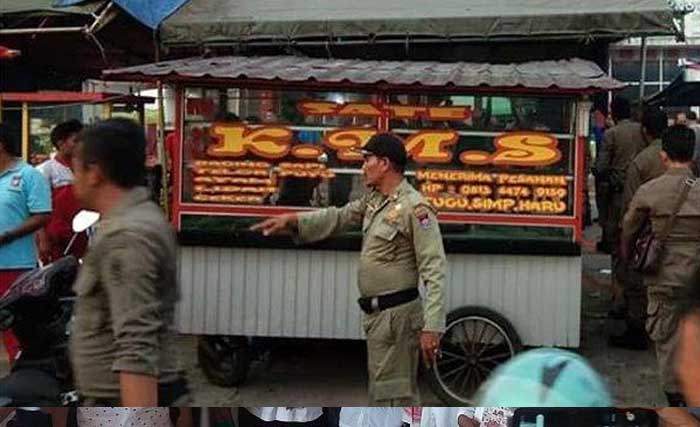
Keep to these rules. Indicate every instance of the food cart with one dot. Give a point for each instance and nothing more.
(498, 150)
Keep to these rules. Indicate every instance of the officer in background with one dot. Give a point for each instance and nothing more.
(401, 243)
(646, 166)
(621, 144)
(679, 266)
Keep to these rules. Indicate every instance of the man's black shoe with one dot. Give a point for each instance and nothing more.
(631, 339)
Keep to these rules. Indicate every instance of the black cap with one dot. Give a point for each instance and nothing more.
(387, 145)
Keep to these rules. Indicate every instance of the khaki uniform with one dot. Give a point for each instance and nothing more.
(621, 144)
(646, 166)
(126, 294)
(680, 264)
(401, 244)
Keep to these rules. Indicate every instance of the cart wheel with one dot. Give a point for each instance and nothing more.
(224, 359)
(476, 341)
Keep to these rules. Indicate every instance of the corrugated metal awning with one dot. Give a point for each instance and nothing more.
(227, 21)
(573, 74)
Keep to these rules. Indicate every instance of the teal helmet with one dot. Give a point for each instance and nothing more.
(544, 377)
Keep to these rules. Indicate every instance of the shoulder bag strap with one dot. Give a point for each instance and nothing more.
(687, 185)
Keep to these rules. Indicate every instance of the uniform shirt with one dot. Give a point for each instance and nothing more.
(126, 293)
(680, 263)
(646, 166)
(286, 414)
(401, 243)
(124, 417)
(23, 192)
(621, 144)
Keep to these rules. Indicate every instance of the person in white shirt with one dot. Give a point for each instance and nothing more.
(371, 417)
(53, 239)
(270, 416)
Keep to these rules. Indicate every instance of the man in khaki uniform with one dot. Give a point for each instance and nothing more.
(646, 166)
(679, 265)
(122, 344)
(401, 244)
(621, 144)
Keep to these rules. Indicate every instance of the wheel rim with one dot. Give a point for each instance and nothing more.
(472, 348)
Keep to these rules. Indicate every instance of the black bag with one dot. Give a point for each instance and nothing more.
(648, 248)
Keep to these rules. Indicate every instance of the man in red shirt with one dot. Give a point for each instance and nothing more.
(54, 238)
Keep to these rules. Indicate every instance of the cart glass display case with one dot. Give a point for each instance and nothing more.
(497, 168)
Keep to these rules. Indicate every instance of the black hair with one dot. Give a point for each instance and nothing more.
(620, 108)
(9, 139)
(678, 141)
(654, 121)
(118, 147)
(64, 130)
(227, 116)
(692, 116)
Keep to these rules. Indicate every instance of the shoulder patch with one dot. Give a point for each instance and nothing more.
(422, 213)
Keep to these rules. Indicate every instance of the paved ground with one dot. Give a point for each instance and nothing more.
(332, 373)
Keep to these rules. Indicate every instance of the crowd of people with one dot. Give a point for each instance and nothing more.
(122, 344)
(645, 180)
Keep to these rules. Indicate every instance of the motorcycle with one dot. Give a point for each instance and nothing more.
(38, 308)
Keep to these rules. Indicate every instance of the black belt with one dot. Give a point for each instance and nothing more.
(376, 304)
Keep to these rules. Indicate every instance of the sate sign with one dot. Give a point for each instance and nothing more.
(247, 163)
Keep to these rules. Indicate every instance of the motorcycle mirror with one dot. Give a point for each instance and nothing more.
(84, 220)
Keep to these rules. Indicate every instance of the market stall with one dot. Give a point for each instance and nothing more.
(48, 108)
(497, 149)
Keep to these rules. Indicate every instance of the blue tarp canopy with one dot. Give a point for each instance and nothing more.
(149, 13)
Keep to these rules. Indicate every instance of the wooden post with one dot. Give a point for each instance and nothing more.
(162, 152)
(142, 114)
(25, 131)
(643, 71)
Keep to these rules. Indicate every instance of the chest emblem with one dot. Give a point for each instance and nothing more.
(394, 214)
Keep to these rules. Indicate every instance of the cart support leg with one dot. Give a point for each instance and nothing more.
(25, 131)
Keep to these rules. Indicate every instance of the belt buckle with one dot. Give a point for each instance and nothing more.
(374, 304)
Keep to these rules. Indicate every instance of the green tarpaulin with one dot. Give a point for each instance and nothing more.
(210, 21)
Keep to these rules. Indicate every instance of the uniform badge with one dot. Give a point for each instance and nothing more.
(393, 215)
(16, 181)
(423, 215)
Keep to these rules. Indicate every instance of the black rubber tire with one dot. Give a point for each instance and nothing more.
(473, 314)
(225, 360)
